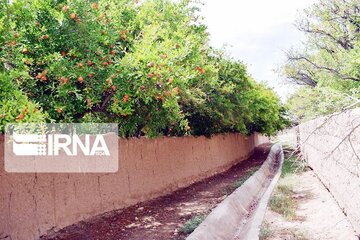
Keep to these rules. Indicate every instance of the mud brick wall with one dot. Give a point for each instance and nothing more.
(331, 145)
(34, 204)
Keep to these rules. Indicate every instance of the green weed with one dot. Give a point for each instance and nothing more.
(192, 224)
(265, 231)
(240, 181)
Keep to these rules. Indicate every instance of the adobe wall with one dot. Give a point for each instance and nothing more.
(33, 204)
(331, 145)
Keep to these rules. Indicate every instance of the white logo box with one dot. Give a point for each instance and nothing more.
(61, 148)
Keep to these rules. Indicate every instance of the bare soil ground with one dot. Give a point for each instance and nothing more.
(317, 215)
(162, 218)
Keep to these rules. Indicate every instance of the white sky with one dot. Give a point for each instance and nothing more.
(256, 32)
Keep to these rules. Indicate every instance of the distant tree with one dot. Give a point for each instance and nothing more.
(332, 51)
(328, 65)
(308, 103)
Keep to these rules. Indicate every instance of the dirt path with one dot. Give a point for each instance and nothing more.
(317, 215)
(163, 217)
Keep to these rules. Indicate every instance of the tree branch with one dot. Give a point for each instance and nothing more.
(331, 70)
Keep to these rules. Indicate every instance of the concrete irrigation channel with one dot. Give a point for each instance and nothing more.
(166, 216)
(240, 215)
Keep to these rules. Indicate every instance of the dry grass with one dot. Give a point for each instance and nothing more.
(282, 200)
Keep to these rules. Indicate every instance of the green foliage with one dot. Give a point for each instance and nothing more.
(15, 106)
(268, 115)
(192, 224)
(308, 103)
(146, 66)
(329, 60)
(236, 104)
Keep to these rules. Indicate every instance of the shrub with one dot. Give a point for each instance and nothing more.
(15, 106)
(146, 66)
